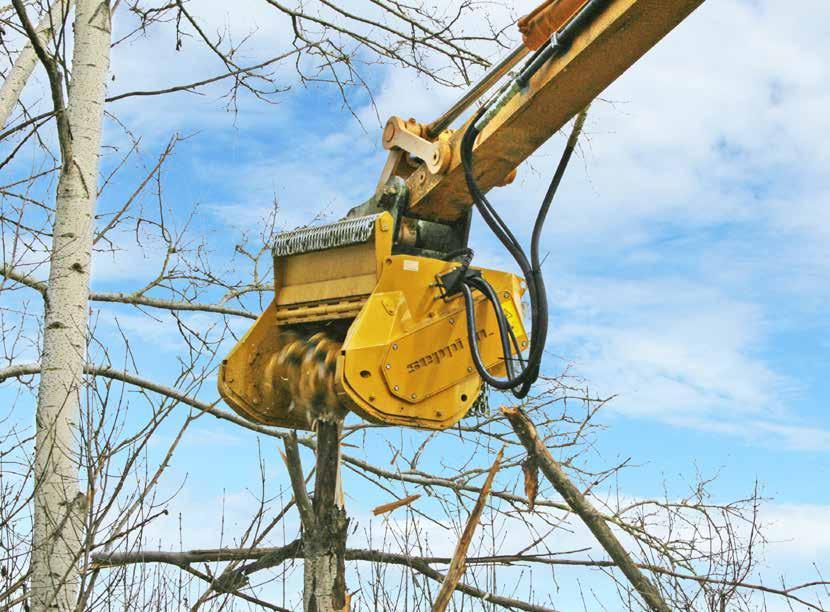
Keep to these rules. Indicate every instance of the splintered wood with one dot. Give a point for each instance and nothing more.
(384, 508)
(458, 563)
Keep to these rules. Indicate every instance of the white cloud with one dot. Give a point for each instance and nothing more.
(681, 353)
(797, 534)
(700, 134)
(128, 261)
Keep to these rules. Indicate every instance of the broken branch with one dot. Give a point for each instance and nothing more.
(583, 508)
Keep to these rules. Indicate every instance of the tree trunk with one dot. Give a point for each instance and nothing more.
(324, 545)
(26, 61)
(58, 503)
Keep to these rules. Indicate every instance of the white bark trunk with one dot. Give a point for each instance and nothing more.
(26, 61)
(323, 580)
(58, 503)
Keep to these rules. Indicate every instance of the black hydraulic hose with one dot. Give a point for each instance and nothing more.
(487, 289)
(501, 230)
(480, 200)
(520, 383)
(469, 307)
(540, 223)
(508, 336)
(561, 41)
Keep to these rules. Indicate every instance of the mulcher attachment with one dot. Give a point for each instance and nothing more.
(355, 326)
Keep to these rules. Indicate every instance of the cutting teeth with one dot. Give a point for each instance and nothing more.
(355, 230)
(308, 365)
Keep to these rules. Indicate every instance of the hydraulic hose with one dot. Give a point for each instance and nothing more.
(521, 382)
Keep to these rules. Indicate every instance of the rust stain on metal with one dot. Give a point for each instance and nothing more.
(537, 26)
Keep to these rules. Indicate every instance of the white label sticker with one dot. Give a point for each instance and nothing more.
(410, 265)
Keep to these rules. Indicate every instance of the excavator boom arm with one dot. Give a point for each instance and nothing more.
(614, 39)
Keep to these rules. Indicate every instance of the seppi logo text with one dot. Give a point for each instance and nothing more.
(435, 357)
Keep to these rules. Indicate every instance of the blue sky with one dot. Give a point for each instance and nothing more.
(688, 258)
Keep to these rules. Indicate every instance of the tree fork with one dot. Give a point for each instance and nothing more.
(27, 59)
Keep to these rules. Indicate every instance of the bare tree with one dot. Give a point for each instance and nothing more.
(58, 502)
(81, 491)
(27, 58)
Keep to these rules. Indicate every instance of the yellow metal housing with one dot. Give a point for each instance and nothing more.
(406, 359)
(405, 356)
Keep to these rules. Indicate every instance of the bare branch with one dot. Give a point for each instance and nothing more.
(135, 299)
(295, 473)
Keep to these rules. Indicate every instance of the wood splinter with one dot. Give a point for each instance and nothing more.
(384, 508)
(459, 558)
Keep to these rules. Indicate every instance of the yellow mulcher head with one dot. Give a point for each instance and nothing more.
(381, 313)
(356, 325)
